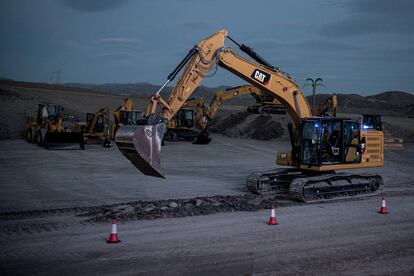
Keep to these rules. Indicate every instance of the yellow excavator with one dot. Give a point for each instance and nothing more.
(125, 114)
(321, 146)
(264, 103)
(329, 106)
(47, 129)
(189, 123)
(96, 128)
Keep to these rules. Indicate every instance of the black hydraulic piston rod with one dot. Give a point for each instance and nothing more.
(249, 51)
(179, 67)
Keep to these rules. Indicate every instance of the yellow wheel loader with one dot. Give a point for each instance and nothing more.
(321, 147)
(47, 130)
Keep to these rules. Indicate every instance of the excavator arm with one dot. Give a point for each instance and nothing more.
(142, 144)
(228, 94)
(329, 106)
(211, 52)
(126, 106)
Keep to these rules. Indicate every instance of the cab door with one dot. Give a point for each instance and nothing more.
(352, 142)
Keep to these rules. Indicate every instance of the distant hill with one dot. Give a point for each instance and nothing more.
(142, 89)
(399, 98)
(385, 103)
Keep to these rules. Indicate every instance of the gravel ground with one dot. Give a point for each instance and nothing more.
(345, 238)
(54, 208)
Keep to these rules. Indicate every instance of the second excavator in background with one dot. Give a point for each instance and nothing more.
(125, 114)
(320, 146)
(96, 128)
(189, 123)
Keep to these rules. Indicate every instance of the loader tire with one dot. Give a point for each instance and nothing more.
(40, 137)
(30, 135)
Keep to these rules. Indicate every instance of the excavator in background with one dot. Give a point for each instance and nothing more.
(126, 115)
(266, 104)
(189, 123)
(320, 146)
(96, 128)
(328, 107)
(47, 129)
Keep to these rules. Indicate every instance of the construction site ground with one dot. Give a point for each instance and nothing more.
(55, 207)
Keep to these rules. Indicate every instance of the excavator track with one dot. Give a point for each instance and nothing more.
(271, 182)
(313, 188)
(335, 186)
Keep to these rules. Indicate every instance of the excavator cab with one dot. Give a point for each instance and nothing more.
(131, 117)
(330, 141)
(369, 121)
(184, 118)
(48, 112)
(182, 126)
(100, 123)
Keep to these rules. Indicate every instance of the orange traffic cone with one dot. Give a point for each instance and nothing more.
(273, 220)
(383, 209)
(113, 237)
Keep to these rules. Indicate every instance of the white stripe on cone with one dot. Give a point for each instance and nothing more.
(114, 230)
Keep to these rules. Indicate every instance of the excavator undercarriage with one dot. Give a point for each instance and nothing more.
(310, 187)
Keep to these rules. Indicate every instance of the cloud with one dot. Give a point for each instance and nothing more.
(360, 25)
(118, 48)
(120, 41)
(93, 5)
(382, 6)
(116, 55)
(373, 17)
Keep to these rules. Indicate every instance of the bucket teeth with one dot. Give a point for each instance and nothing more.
(141, 144)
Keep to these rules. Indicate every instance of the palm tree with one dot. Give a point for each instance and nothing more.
(314, 83)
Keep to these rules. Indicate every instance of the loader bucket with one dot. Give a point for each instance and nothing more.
(64, 140)
(141, 144)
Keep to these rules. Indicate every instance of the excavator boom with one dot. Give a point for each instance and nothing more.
(139, 143)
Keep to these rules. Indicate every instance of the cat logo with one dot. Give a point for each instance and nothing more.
(148, 132)
(261, 77)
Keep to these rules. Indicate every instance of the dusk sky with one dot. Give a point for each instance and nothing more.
(363, 46)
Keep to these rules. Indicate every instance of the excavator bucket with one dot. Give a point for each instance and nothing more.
(202, 138)
(64, 140)
(141, 144)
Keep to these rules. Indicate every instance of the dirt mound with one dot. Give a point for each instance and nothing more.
(392, 130)
(139, 210)
(247, 125)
